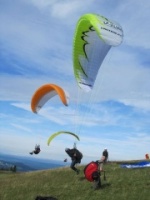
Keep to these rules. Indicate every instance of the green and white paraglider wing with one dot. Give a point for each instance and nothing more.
(94, 36)
(61, 132)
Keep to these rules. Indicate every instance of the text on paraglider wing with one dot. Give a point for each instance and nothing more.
(111, 31)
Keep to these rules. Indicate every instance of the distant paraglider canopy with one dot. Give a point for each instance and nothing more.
(61, 132)
(94, 36)
(45, 93)
(142, 164)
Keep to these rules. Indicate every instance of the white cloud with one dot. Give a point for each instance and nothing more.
(21, 127)
(61, 9)
(134, 21)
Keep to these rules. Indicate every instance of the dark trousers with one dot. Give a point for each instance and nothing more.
(73, 163)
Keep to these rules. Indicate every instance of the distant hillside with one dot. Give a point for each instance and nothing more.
(64, 184)
(25, 164)
(5, 165)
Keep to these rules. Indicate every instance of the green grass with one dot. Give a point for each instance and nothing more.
(64, 184)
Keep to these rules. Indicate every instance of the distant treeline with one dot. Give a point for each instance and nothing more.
(12, 168)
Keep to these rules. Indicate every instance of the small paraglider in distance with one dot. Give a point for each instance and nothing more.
(61, 132)
(36, 150)
(45, 93)
(93, 38)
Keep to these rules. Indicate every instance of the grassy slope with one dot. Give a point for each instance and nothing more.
(64, 184)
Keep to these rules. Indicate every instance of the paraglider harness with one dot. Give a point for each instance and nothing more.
(37, 149)
(92, 172)
(65, 160)
(75, 154)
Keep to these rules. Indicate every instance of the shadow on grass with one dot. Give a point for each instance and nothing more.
(105, 185)
(82, 178)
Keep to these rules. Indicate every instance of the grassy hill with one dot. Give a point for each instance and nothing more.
(64, 184)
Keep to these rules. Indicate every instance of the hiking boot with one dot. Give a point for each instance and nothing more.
(78, 171)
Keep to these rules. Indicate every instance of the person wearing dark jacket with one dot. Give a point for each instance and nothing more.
(105, 155)
(104, 158)
(36, 150)
(75, 156)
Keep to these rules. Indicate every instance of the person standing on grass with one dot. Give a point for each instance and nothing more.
(104, 158)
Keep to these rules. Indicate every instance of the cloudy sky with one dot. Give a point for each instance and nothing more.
(36, 44)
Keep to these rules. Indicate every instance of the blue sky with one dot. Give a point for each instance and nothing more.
(36, 41)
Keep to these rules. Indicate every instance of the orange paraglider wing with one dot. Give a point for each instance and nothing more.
(46, 92)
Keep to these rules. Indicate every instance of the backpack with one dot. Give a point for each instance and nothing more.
(91, 171)
(79, 154)
(71, 152)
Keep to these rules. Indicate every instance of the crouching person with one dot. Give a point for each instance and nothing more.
(92, 174)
